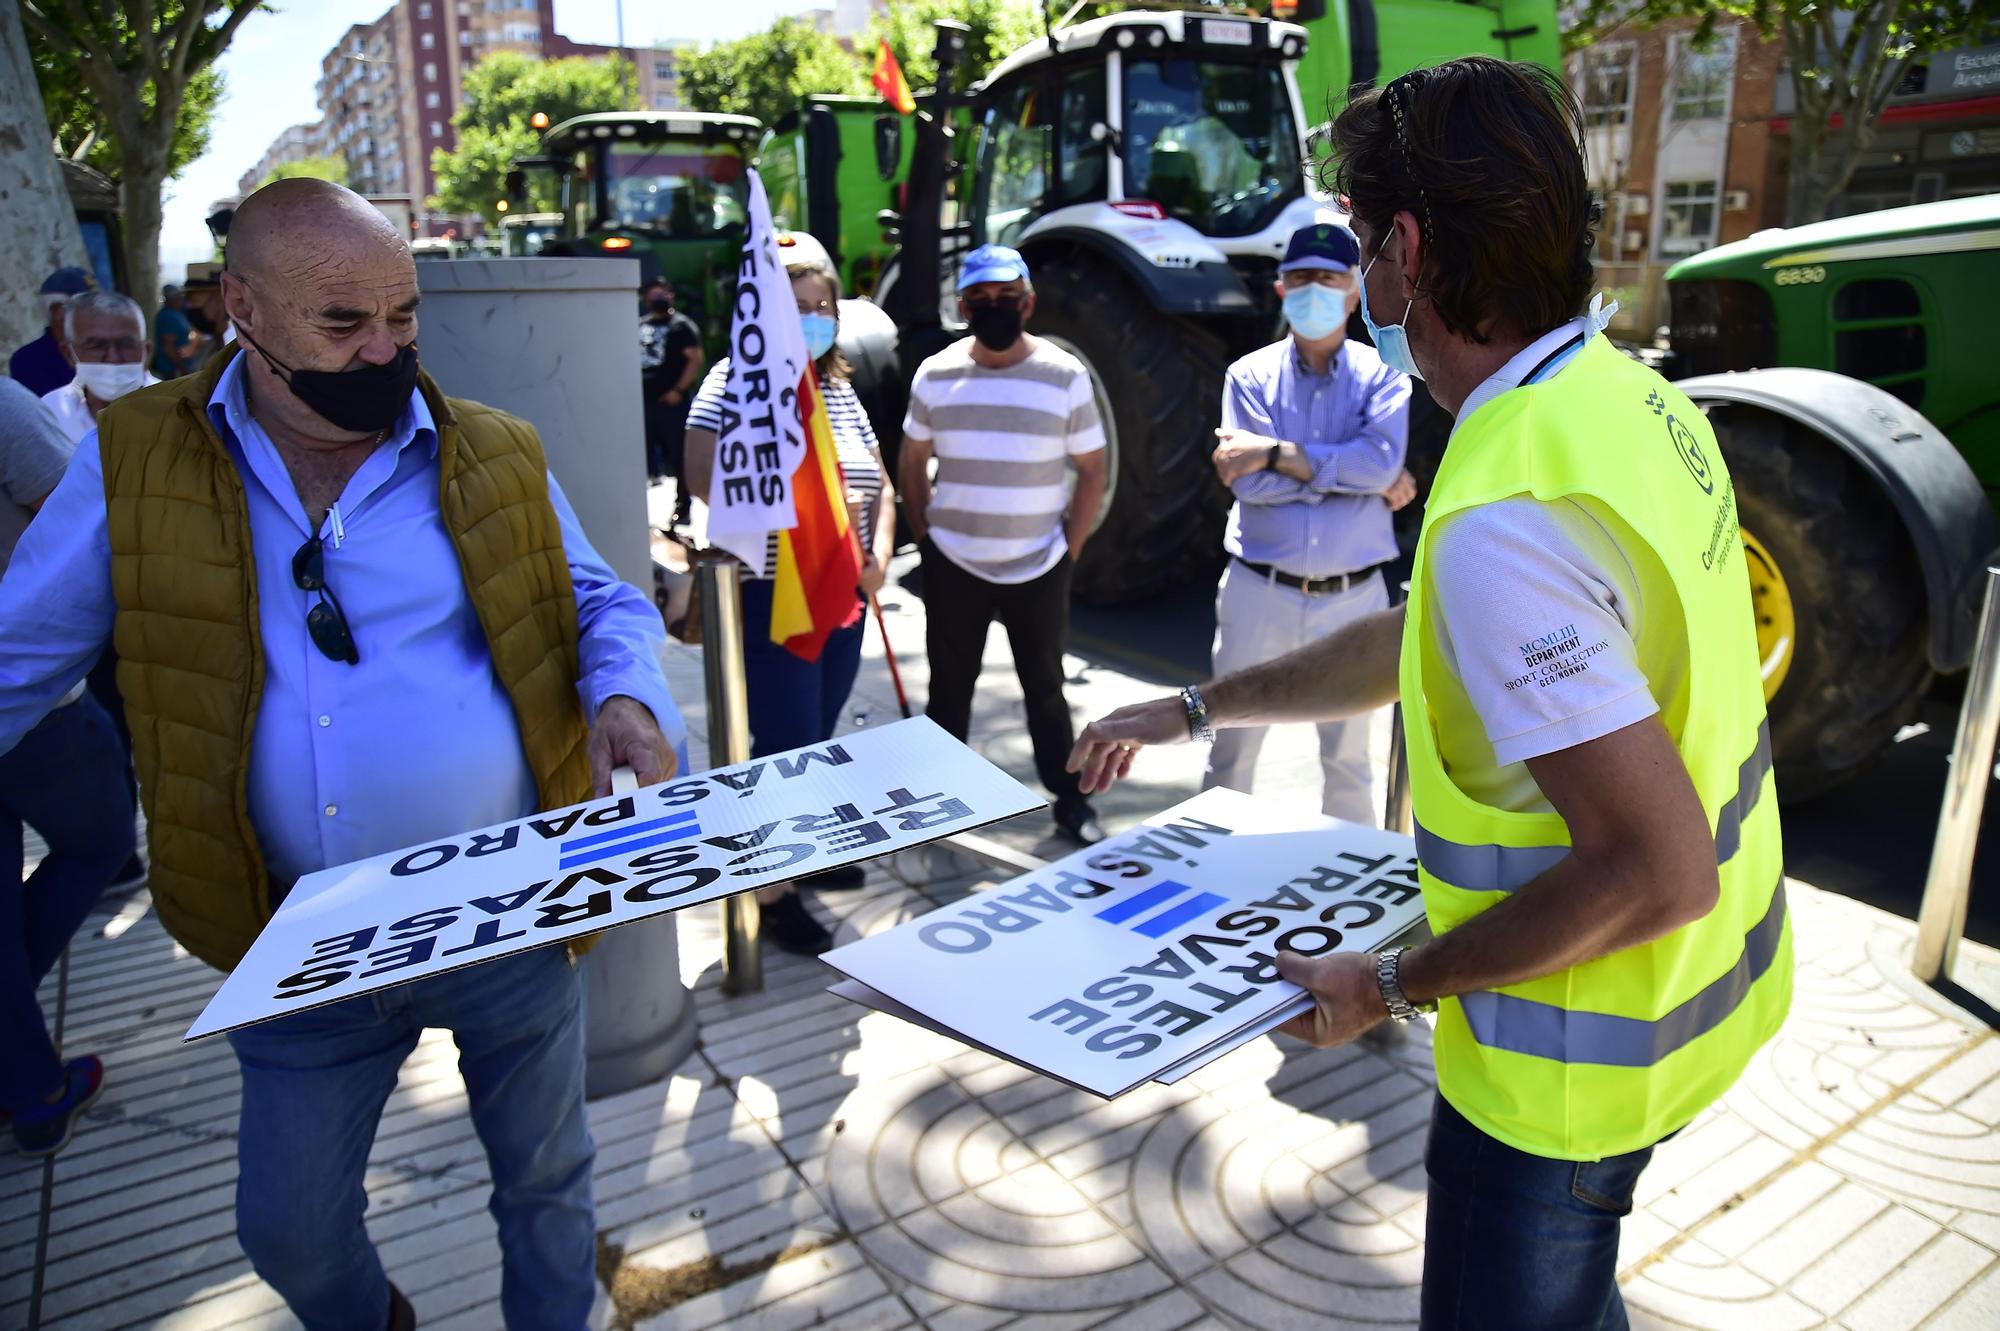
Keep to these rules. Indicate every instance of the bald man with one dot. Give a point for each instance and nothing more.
(352, 614)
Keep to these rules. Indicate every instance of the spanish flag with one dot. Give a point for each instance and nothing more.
(889, 81)
(819, 560)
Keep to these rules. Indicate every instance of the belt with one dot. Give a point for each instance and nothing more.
(1328, 586)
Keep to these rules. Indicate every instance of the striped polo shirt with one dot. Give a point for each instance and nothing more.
(853, 446)
(1003, 439)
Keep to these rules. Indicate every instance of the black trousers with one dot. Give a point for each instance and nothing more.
(958, 607)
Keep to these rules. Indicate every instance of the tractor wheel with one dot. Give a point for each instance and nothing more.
(1159, 388)
(1838, 596)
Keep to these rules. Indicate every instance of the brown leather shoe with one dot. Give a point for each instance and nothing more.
(402, 1317)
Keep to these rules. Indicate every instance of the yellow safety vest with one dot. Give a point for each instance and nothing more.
(1612, 1055)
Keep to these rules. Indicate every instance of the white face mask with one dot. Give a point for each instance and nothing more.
(108, 383)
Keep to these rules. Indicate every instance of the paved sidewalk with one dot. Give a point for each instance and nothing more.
(813, 1164)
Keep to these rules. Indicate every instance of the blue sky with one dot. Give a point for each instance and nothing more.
(273, 64)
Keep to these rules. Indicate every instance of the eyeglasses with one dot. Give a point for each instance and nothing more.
(1398, 94)
(818, 307)
(324, 622)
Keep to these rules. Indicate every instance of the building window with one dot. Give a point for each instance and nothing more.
(430, 71)
(426, 40)
(1606, 84)
(423, 13)
(430, 101)
(1687, 217)
(663, 69)
(1701, 78)
(437, 129)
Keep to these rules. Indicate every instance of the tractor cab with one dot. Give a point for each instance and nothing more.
(670, 189)
(1175, 136)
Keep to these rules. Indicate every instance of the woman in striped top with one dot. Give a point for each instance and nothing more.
(794, 703)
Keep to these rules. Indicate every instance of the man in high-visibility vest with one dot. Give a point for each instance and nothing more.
(1589, 758)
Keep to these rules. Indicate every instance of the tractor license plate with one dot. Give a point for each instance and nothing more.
(1218, 33)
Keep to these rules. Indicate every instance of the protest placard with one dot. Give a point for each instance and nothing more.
(1147, 956)
(462, 900)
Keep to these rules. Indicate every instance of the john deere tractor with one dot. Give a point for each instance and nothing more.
(1846, 369)
(669, 189)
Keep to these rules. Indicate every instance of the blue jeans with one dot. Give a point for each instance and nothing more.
(793, 703)
(1518, 1240)
(65, 779)
(314, 1084)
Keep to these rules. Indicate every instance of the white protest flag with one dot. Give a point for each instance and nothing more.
(483, 894)
(1151, 954)
(759, 441)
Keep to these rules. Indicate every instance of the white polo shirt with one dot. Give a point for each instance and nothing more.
(72, 412)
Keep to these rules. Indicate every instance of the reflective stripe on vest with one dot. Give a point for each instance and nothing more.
(1493, 868)
(1505, 1021)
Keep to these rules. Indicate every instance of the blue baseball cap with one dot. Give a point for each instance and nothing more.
(1326, 245)
(992, 263)
(67, 282)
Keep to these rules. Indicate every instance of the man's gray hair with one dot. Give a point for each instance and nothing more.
(102, 302)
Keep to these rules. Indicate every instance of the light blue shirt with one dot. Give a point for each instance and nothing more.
(416, 742)
(1353, 424)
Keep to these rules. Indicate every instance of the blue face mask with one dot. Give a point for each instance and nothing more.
(819, 330)
(1392, 343)
(1315, 311)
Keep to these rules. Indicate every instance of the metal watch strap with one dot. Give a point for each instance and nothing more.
(1197, 716)
(1388, 979)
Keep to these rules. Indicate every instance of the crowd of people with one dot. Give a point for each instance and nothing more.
(282, 522)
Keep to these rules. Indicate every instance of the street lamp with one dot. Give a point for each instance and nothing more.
(539, 120)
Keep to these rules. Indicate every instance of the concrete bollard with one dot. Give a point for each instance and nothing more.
(556, 342)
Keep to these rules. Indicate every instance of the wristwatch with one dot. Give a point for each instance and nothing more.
(1197, 716)
(1271, 457)
(1388, 978)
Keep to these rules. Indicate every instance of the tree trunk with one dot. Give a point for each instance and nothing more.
(38, 232)
(143, 179)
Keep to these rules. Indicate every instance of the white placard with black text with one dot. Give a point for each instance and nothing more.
(1133, 959)
(459, 901)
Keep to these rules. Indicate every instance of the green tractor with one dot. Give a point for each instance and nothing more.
(522, 235)
(1844, 370)
(831, 170)
(670, 189)
(1149, 166)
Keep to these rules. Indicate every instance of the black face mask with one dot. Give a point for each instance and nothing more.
(659, 305)
(365, 400)
(997, 327)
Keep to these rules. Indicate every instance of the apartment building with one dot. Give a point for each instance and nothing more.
(294, 145)
(1679, 148)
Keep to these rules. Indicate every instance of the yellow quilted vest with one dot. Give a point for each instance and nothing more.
(190, 653)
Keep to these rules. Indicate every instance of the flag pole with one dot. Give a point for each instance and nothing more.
(895, 675)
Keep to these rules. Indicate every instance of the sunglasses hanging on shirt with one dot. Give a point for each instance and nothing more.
(324, 622)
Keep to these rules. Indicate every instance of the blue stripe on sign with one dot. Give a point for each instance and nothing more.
(1179, 915)
(624, 830)
(627, 847)
(1156, 895)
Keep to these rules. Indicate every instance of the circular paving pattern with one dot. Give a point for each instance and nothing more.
(1304, 1208)
(941, 1192)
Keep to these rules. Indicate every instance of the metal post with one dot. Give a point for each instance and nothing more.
(1396, 804)
(1941, 919)
(729, 742)
(1396, 807)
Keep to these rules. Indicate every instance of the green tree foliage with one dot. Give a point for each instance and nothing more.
(1844, 59)
(502, 94)
(76, 124)
(999, 28)
(765, 73)
(317, 168)
(140, 77)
